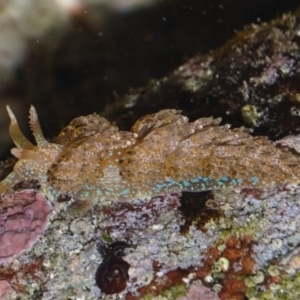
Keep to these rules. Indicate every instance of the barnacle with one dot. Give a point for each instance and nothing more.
(163, 153)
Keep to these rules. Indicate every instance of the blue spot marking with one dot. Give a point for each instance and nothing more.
(99, 192)
(86, 186)
(224, 178)
(171, 181)
(125, 192)
(233, 182)
(220, 184)
(205, 179)
(254, 180)
(159, 186)
(239, 181)
(186, 183)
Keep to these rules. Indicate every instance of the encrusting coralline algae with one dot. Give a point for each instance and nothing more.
(23, 217)
(255, 184)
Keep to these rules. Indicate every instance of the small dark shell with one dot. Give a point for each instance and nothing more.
(112, 275)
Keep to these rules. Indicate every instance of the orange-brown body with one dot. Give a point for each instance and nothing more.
(163, 153)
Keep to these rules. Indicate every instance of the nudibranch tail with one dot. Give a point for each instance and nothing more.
(15, 132)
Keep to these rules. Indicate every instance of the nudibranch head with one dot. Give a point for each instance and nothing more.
(34, 160)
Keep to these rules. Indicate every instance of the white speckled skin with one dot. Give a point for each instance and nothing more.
(163, 153)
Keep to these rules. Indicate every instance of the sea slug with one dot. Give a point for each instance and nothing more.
(163, 153)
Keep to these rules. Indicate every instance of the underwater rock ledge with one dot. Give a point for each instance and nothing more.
(249, 249)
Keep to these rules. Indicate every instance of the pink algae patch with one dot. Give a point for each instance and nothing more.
(5, 289)
(23, 217)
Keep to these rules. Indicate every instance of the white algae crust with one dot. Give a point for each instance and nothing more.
(63, 263)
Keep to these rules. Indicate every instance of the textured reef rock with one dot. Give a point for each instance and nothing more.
(241, 244)
(199, 292)
(248, 248)
(253, 80)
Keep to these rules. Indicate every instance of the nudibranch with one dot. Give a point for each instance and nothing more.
(163, 153)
